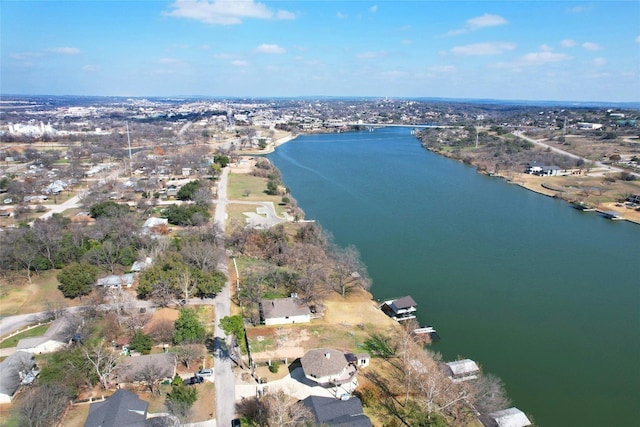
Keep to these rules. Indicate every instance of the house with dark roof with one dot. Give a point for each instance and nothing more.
(122, 409)
(284, 311)
(328, 367)
(400, 308)
(16, 370)
(337, 413)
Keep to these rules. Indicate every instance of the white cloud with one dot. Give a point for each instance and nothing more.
(533, 59)
(543, 57)
(169, 61)
(443, 69)
(591, 46)
(224, 12)
(568, 43)
(270, 48)
(599, 62)
(545, 47)
(486, 20)
(406, 41)
(371, 55)
(341, 15)
(373, 8)
(477, 49)
(638, 39)
(578, 9)
(239, 63)
(473, 24)
(90, 67)
(24, 55)
(65, 50)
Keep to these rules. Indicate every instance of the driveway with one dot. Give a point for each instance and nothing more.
(295, 384)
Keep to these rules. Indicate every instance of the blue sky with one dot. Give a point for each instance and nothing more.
(528, 50)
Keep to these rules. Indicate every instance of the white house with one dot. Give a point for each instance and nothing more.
(284, 311)
(327, 366)
(114, 281)
(56, 338)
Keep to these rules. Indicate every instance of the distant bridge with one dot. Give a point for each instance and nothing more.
(372, 126)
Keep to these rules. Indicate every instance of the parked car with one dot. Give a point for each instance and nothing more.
(204, 373)
(195, 380)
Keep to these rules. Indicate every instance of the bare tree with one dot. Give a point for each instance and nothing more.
(150, 375)
(189, 353)
(44, 405)
(103, 361)
(283, 410)
(488, 394)
(348, 270)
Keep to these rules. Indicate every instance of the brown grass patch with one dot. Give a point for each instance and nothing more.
(22, 297)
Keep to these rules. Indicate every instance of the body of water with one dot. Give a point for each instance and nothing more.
(543, 296)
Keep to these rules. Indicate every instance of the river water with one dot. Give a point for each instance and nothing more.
(539, 294)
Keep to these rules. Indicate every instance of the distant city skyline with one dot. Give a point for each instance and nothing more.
(516, 50)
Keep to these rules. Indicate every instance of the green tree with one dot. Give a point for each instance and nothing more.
(207, 283)
(108, 208)
(141, 342)
(272, 187)
(181, 398)
(222, 160)
(234, 325)
(189, 328)
(186, 215)
(77, 279)
(187, 191)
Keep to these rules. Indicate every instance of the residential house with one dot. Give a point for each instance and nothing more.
(122, 409)
(16, 370)
(540, 169)
(138, 266)
(114, 281)
(129, 370)
(154, 222)
(283, 311)
(337, 413)
(328, 367)
(512, 417)
(400, 309)
(54, 339)
(462, 370)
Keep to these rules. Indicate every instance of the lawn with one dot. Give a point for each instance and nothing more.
(24, 297)
(240, 184)
(34, 332)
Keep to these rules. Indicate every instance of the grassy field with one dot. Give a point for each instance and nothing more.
(249, 188)
(35, 332)
(22, 297)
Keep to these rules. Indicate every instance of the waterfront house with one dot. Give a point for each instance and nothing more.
(283, 311)
(332, 412)
(462, 370)
(400, 309)
(512, 417)
(327, 367)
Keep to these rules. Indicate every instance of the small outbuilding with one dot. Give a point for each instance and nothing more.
(400, 308)
(462, 370)
(512, 417)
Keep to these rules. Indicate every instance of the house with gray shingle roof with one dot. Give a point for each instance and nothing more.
(337, 413)
(283, 311)
(57, 336)
(328, 366)
(15, 370)
(122, 409)
(511, 417)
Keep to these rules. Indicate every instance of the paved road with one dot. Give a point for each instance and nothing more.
(222, 369)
